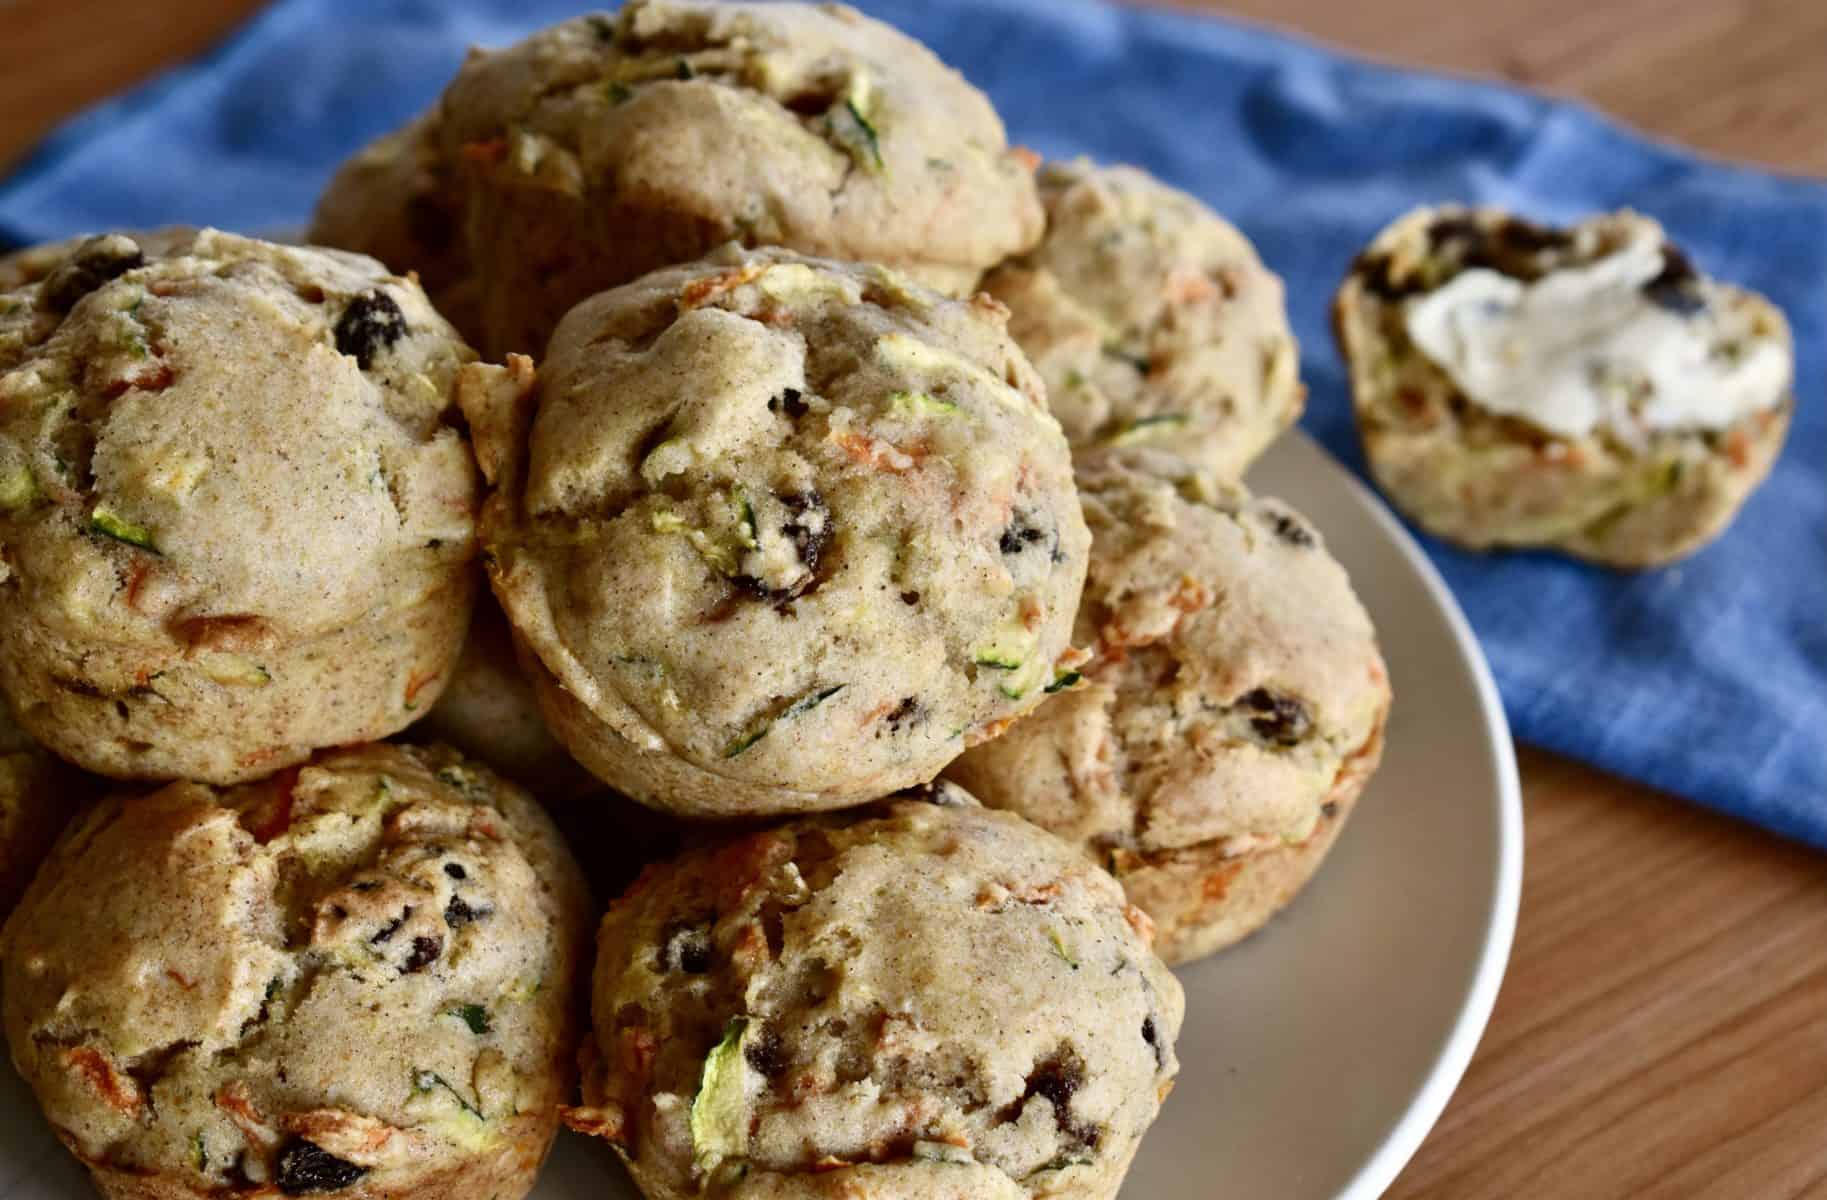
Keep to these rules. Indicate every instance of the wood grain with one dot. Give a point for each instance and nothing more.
(58, 55)
(1741, 79)
(1663, 1028)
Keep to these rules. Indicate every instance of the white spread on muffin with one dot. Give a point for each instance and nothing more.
(1600, 345)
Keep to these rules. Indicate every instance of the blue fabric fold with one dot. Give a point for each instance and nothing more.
(1708, 679)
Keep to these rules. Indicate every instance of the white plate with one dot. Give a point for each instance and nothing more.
(1317, 1055)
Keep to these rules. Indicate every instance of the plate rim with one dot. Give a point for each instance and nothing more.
(1454, 1057)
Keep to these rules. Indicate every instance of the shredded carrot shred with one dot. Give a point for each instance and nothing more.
(119, 1091)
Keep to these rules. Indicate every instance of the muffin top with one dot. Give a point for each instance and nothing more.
(804, 525)
(226, 431)
(923, 997)
(1234, 673)
(1152, 320)
(360, 969)
(829, 132)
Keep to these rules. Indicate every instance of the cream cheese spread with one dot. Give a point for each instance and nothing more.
(1588, 346)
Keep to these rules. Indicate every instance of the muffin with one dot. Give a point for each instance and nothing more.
(605, 147)
(1582, 389)
(396, 200)
(1232, 711)
(920, 998)
(37, 796)
(778, 534)
(354, 978)
(490, 713)
(1152, 321)
(236, 520)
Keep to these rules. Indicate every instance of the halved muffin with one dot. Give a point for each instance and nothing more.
(1584, 389)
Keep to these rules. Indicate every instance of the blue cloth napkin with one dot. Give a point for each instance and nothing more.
(1708, 679)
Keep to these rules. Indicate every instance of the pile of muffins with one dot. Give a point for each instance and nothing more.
(872, 610)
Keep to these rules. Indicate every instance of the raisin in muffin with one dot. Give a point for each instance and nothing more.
(354, 978)
(1584, 389)
(778, 534)
(1232, 711)
(1152, 320)
(582, 153)
(31, 264)
(236, 521)
(396, 200)
(919, 998)
(37, 796)
(490, 713)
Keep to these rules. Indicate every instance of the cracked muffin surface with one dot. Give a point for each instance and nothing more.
(236, 520)
(1152, 320)
(582, 152)
(1231, 712)
(355, 978)
(779, 534)
(1584, 388)
(920, 998)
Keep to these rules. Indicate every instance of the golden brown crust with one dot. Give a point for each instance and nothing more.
(841, 552)
(1203, 901)
(236, 514)
(1153, 320)
(222, 732)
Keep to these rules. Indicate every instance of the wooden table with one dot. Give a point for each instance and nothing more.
(1663, 1028)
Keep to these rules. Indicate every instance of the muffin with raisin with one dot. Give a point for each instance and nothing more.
(1584, 389)
(919, 998)
(1231, 714)
(1152, 320)
(355, 978)
(582, 153)
(236, 518)
(778, 534)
